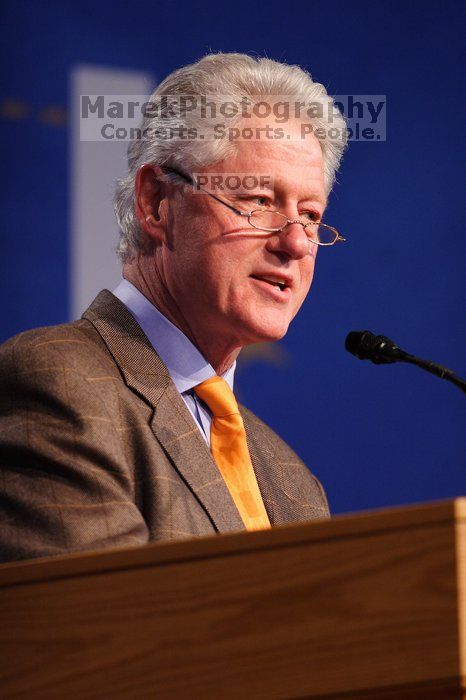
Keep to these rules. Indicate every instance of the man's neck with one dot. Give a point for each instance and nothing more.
(220, 358)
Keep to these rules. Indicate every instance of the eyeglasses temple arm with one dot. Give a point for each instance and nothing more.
(222, 201)
(188, 179)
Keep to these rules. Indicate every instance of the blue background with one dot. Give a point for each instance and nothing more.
(374, 435)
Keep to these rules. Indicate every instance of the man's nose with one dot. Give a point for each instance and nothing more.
(292, 240)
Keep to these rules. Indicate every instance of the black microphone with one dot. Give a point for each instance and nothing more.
(381, 350)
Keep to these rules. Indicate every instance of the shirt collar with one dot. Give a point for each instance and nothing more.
(186, 365)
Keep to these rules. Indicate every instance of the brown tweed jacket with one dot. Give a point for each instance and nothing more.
(98, 449)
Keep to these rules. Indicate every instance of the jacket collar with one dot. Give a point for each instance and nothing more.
(144, 373)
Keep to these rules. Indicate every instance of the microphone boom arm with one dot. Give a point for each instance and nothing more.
(381, 350)
(436, 369)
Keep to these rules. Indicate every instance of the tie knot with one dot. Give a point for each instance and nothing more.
(218, 396)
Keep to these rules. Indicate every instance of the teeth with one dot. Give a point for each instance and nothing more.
(276, 281)
(280, 283)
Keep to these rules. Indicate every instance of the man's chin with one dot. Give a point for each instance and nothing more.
(265, 332)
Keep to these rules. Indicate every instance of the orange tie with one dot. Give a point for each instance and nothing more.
(230, 451)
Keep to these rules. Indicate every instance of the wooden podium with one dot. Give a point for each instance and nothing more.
(371, 606)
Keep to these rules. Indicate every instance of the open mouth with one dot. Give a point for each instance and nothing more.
(280, 284)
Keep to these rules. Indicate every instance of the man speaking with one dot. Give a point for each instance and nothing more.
(123, 427)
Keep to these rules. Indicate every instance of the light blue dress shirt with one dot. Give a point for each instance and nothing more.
(186, 365)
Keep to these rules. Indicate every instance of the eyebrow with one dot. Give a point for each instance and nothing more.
(281, 187)
(311, 197)
(315, 198)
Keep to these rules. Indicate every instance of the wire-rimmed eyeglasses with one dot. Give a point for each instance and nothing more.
(270, 221)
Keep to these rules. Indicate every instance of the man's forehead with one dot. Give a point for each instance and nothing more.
(289, 143)
(280, 165)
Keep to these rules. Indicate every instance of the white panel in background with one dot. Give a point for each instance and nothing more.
(94, 170)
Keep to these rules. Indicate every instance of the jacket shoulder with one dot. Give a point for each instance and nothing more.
(66, 481)
(76, 345)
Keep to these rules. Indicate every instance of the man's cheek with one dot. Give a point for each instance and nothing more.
(301, 296)
(308, 274)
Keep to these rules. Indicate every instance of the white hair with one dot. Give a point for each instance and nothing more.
(237, 76)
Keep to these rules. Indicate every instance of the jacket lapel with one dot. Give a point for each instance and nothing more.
(264, 462)
(172, 423)
(290, 492)
(174, 427)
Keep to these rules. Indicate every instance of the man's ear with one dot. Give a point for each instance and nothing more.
(150, 191)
